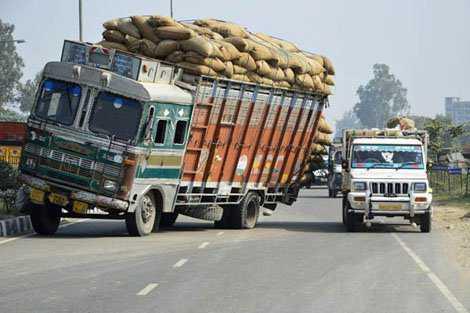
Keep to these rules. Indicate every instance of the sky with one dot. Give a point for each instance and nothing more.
(426, 43)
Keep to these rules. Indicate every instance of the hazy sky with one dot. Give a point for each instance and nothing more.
(425, 42)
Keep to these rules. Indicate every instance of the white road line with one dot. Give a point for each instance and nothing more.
(180, 263)
(458, 306)
(203, 245)
(220, 233)
(147, 289)
(29, 235)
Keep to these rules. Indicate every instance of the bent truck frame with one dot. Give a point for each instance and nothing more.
(142, 140)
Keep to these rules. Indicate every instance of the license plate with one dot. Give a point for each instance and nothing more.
(390, 206)
(37, 196)
(58, 199)
(80, 207)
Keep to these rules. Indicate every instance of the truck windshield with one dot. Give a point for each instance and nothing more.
(387, 156)
(58, 101)
(115, 115)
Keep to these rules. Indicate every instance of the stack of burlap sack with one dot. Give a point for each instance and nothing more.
(318, 149)
(402, 123)
(223, 49)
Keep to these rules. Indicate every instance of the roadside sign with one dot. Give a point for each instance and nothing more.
(454, 171)
(438, 167)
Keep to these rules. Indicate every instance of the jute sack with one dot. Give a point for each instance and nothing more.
(255, 78)
(283, 84)
(317, 58)
(327, 90)
(124, 25)
(165, 48)
(143, 46)
(229, 70)
(323, 139)
(114, 36)
(147, 31)
(328, 65)
(263, 50)
(323, 126)
(305, 81)
(246, 60)
(197, 69)
(329, 80)
(317, 83)
(298, 63)
(198, 44)
(158, 20)
(225, 29)
(128, 39)
(263, 68)
(289, 75)
(315, 67)
(206, 32)
(229, 51)
(213, 63)
(238, 70)
(175, 57)
(174, 32)
(242, 44)
(318, 149)
(112, 45)
(241, 77)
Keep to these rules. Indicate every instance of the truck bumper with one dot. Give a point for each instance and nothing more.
(83, 196)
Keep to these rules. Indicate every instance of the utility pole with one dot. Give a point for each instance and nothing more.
(80, 22)
(171, 8)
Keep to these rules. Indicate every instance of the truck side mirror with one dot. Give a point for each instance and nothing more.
(344, 164)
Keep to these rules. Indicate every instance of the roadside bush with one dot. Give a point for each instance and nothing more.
(8, 189)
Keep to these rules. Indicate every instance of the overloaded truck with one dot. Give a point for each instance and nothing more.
(144, 140)
(12, 137)
(385, 174)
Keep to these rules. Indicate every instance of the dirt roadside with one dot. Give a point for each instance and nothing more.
(454, 222)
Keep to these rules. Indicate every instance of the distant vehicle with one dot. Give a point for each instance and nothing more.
(144, 141)
(335, 175)
(12, 138)
(385, 174)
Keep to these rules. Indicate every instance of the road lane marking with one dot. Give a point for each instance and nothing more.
(33, 233)
(458, 306)
(203, 245)
(180, 263)
(147, 289)
(220, 233)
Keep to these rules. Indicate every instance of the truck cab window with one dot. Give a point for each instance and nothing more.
(180, 132)
(161, 131)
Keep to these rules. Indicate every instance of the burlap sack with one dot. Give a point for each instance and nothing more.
(254, 77)
(246, 60)
(124, 25)
(174, 32)
(225, 29)
(198, 44)
(323, 126)
(165, 48)
(197, 69)
(317, 58)
(314, 67)
(242, 44)
(260, 52)
(323, 139)
(147, 31)
(176, 57)
(327, 90)
(329, 80)
(112, 45)
(318, 149)
(213, 63)
(239, 70)
(305, 81)
(317, 83)
(298, 63)
(283, 84)
(114, 36)
(241, 77)
(229, 51)
(158, 20)
(289, 75)
(128, 40)
(263, 68)
(229, 70)
(328, 65)
(148, 48)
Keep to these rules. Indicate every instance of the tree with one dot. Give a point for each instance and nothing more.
(11, 65)
(11, 116)
(349, 120)
(383, 97)
(27, 92)
(444, 135)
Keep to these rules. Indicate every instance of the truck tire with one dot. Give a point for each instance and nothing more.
(45, 219)
(226, 220)
(426, 223)
(145, 219)
(245, 215)
(168, 219)
(351, 220)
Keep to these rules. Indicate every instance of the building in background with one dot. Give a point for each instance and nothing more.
(458, 111)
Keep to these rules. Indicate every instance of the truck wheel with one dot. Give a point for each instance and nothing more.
(45, 219)
(426, 223)
(226, 220)
(142, 221)
(168, 219)
(353, 221)
(245, 215)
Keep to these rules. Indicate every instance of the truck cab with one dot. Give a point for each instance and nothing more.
(385, 174)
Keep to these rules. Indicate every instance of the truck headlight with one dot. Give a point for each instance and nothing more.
(30, 162)
(359, 186)
(110, 185)
(420, 187)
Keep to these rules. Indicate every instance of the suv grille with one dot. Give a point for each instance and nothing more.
(387, 188)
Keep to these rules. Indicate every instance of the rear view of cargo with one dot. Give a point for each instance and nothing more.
(162, 118)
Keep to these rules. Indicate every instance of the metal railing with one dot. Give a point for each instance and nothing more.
(446, 180)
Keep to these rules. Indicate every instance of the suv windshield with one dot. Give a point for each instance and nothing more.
(387, 156)
(58, 101)
(115, 115)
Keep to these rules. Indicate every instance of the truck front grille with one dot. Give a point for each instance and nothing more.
(389, 188)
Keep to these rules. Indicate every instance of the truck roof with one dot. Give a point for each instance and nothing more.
(385, 141)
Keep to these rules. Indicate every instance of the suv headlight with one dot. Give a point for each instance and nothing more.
(110, 185)
(420, 187)
(359, 186)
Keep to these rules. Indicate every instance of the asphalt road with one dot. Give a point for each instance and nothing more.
(299, 260)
